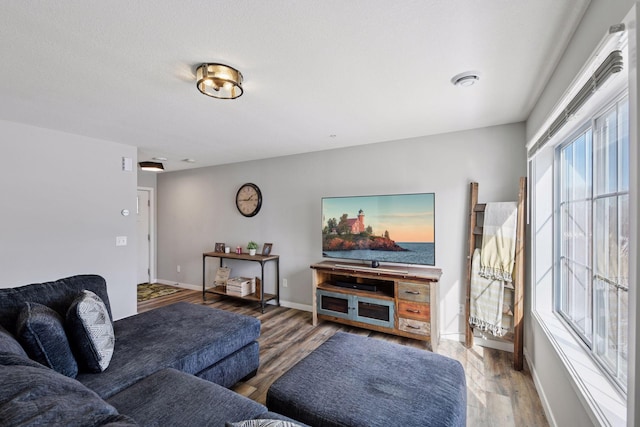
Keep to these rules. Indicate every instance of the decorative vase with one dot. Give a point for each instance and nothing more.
(252, 252)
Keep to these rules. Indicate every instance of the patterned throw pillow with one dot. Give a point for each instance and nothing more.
(40, 330)
(90, 331)
(262, 423)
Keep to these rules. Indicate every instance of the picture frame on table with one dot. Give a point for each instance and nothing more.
(219, 247)
(266, 249)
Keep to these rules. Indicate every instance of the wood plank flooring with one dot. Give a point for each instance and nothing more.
(497, 395)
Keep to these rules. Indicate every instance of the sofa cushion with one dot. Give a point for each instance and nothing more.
(356, 380)
(9, 344)
(173, 398)
(41, 333)
(57, 295)
(235, 367)
(31, 394)
(184, 336)
(90, 332)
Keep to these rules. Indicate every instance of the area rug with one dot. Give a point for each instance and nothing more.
(147, 291)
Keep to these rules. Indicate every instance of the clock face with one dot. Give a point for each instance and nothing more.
(249, 199)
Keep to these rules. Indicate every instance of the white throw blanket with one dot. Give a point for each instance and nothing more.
(487, 298)
(499, 241)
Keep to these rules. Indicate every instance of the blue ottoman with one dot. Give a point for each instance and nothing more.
(352, 380)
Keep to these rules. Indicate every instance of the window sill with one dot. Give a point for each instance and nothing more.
(603, 402)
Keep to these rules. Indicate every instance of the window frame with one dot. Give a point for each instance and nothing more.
(587, 343)
(557, 288)
(580, 381)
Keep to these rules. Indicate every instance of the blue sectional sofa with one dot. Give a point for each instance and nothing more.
(169, 366)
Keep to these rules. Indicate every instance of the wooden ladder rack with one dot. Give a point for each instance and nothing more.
(517, 286)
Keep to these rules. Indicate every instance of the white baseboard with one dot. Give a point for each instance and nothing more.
(477, 340)
(295, 305)
(180, 285)
(495, 344)
(452, 336)
(543, 397)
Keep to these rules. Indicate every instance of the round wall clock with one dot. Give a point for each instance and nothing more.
(249, 199)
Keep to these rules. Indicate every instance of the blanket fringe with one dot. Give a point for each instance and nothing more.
(495, 274)
(495, 330)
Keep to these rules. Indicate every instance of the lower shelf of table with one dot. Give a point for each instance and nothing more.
(219, 290)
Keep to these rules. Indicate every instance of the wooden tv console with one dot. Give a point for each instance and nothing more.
(396, 300)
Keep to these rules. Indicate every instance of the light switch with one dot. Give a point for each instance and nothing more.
(121, 241)
(127, 164)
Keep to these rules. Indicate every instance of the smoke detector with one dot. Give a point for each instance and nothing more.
(468, 78)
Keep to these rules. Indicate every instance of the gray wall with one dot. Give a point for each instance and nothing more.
(61, 200)
(196, 207)
(552, 378)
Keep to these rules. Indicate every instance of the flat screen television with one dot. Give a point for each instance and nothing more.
(393, 228)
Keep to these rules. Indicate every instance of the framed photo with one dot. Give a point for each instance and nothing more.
(219, 247)
(266, 249)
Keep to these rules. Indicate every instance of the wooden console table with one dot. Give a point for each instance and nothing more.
(396, 300)
(264, 297)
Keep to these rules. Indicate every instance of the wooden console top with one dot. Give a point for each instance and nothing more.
(393, 272)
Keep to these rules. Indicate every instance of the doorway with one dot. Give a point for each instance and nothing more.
(145, 230)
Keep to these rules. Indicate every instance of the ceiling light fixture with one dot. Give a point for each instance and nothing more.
(219, 81)
(151, 166)
(468, 78)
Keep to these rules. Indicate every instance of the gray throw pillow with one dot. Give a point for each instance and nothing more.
(8, 343)
(40, 330)
(91, 332)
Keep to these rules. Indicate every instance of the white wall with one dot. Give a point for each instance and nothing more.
(147, 179)
(633, 395)
(599, 16)
(196, 207)
(61, 200)
(552, 378)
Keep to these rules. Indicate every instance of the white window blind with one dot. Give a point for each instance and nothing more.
(610, 66)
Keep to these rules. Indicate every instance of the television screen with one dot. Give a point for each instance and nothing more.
(395, 228)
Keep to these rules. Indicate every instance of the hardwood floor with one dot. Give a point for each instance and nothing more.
(496, 394)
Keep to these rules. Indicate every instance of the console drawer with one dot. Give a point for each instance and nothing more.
(414, 310)
(414, 326)
(413, 292)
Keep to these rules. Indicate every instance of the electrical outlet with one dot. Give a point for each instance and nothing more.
(178, 269)
(284, 283)
(461, 309)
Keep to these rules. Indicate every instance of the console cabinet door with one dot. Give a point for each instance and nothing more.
(374, 311)
(334, 304)
(352, 307)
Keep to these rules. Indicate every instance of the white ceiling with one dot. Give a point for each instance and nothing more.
(365, 71)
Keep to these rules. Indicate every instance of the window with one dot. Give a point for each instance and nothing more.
(592, 287)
